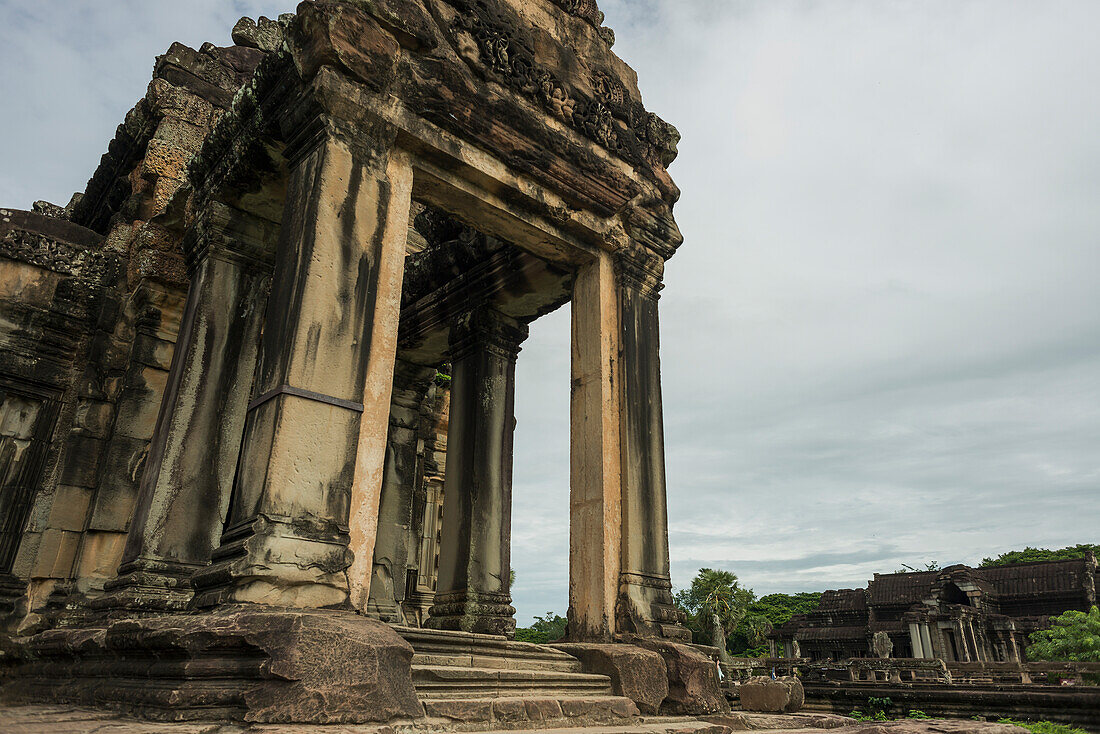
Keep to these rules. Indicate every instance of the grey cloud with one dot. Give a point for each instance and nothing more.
(880, 339)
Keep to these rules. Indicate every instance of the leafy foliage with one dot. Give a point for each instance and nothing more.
(930, 566)
(1029, 555)
(714, 592)
(1073, 636)
(547, 628)
(765, 614)
(746, 619)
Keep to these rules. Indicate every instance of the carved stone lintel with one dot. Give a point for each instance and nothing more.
(612, 119)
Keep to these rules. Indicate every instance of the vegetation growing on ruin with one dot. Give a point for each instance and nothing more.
(1030, 555)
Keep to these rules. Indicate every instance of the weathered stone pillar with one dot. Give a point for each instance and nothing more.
(336, 286)
(914, 640)
(395, 512)
(926, 641)
(193, 455)
(474, 558)
(645, 605)
(962, 645)
(595, 507)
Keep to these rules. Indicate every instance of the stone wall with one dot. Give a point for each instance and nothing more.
(90, 303)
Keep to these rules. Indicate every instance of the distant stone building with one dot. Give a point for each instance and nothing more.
(958, 614)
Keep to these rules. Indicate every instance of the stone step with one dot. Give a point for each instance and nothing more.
(467, 650)
(465, 659)
(454, 682)
(689, 726)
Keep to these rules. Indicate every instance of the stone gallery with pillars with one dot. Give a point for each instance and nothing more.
(258, 380)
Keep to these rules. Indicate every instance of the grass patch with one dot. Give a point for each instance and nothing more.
(1043, 727)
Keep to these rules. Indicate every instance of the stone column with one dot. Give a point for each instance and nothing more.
(395, 512)
(979, 653)
(914, 640)
(473, 594)
(962, 645)
(645, 605)
(926, 641)
(193, 455)
(336, 286)
(595, 508)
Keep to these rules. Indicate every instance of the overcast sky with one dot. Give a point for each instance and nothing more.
(881, 340)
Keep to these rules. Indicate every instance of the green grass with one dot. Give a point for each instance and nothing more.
(1043, 727)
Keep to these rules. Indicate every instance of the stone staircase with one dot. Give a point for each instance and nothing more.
(470, 682)
(460, 665)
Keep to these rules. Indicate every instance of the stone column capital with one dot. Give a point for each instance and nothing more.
(641, 271)
(227, 233)
(488, 330)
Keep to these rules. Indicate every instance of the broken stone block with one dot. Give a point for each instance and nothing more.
(782, 695)
(265, 34)
(637, 674)
(693, 685)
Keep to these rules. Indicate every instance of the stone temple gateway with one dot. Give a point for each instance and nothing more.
(257, 381)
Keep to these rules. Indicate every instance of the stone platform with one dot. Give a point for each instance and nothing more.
(71, 720)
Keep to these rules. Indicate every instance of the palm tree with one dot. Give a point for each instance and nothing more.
(718, 593)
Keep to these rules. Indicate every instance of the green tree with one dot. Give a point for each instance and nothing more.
(547, 628)
(1074, 636)
(749, 638)
(714, 592)
(1029, 555)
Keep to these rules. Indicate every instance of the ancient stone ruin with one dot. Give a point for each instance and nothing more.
(957, 614)
(257, 381)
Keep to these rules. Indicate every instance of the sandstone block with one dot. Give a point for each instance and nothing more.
(164, 159)
(341, 35)
(693, 685)
(305, 667)
(635, 673)
(783, 695)
(460, 710)
(542, 709)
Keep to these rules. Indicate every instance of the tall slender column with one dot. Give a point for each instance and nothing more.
(979, 654)
(914, 640)
(337, 281)
(926, 641)
(595, 507)
(645, 606)
(473, 594)
(964, 650)
(193, 455)
(395, 512)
